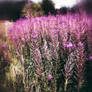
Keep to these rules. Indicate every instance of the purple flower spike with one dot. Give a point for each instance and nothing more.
(50, 77)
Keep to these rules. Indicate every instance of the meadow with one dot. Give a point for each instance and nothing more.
(45, 54)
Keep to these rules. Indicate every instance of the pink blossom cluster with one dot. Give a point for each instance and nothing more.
(27, 29)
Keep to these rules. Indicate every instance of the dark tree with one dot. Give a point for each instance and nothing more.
(11, 10)
(48, 7)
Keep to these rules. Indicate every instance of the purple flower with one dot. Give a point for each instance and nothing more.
(50, 77)
(23, 39)
(62, 21)
(57, 31)
(15, 38)
(90, 58)
(27, 17)
(34, 36)
(68, 45)
(10, 29)
(80, 44)
(5, 46)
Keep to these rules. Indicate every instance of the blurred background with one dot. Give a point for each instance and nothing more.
(11, 9)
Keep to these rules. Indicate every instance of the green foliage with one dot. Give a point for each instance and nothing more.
(32, 10)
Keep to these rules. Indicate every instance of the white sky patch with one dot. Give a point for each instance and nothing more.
(61, 3)
(58, 3)
(65, 3)
(36, 1)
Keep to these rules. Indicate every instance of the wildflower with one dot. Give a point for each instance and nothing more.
(56, 31)
(23, 39)
(68, 45)
(90, 58)
(27, 17)
(34, 36)
(5, 46)
(15, 38)
(10, 29)
(80, 44)
(62, 21)
(50, 77)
